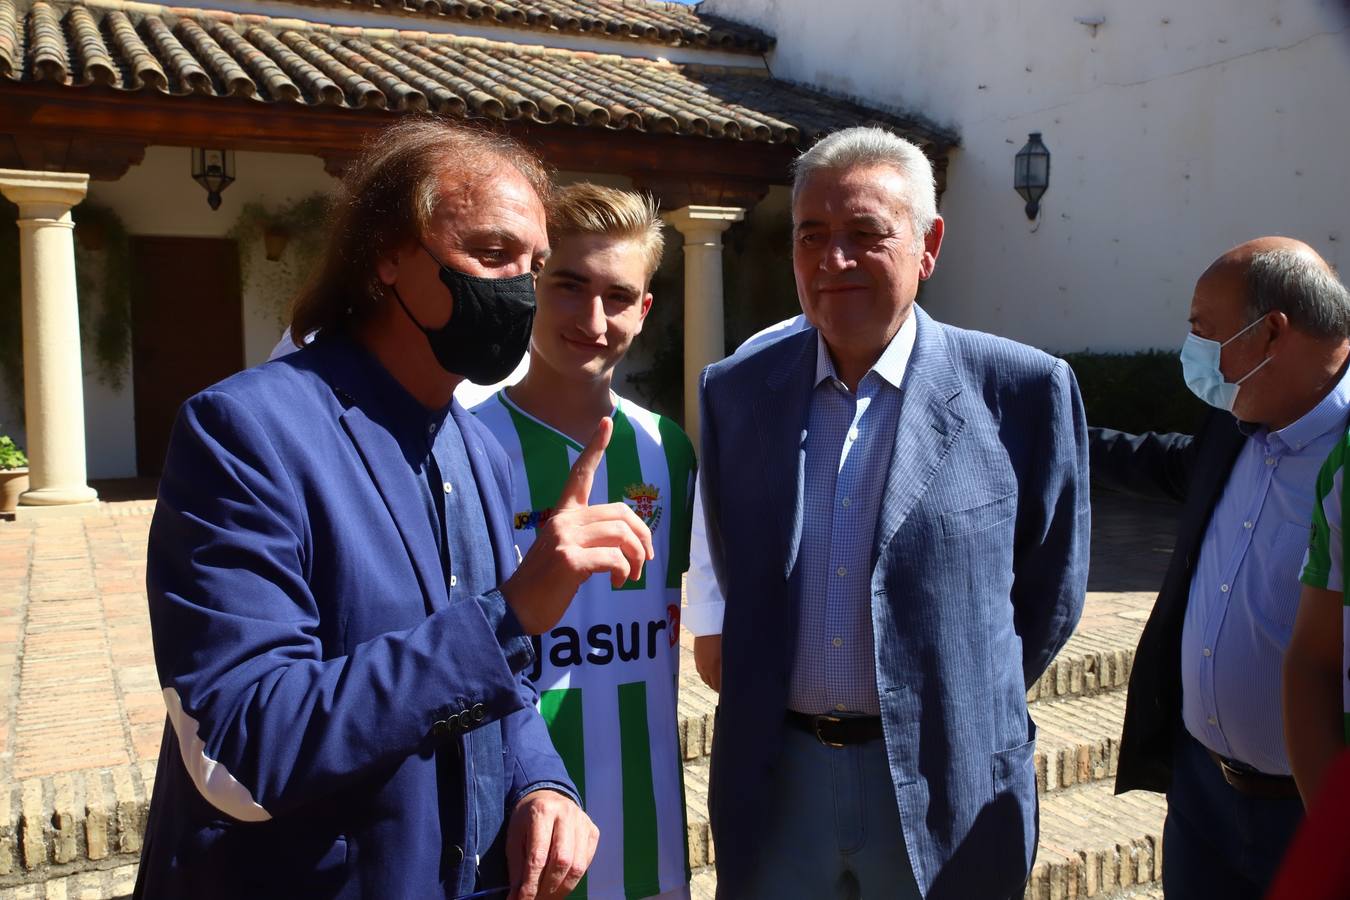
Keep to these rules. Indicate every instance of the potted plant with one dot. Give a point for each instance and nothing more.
(13, 474)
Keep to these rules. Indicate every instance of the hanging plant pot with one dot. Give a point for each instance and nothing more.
(13, 482)
(275, 239)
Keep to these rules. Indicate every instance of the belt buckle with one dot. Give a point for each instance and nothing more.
(832, 720)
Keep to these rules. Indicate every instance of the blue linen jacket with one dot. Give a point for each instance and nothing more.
(337, 726)
(979, 574)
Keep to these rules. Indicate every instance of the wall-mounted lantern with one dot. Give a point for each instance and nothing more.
(1031, 173)
(213, 170)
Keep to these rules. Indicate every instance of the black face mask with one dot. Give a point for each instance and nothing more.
(489, 328)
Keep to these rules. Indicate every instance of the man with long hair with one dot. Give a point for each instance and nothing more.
(341, 618)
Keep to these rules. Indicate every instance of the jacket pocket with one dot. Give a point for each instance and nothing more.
(1014, 768)
(1012, 817)
(978, 518)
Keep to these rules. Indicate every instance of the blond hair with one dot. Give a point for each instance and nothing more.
(587, 208)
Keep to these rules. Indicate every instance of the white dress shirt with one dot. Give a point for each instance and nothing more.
(704, 601)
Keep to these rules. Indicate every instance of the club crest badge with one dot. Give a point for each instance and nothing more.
(643, 498)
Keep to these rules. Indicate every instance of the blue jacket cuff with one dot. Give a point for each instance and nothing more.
(515, 643)
(546, 786)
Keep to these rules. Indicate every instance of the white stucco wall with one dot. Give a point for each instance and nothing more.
(1176, 131)
(159, 197)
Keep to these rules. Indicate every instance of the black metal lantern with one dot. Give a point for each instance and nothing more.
(1031, 173)
(213, 170)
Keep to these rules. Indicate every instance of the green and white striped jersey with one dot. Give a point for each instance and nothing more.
(1324, 566)
(608, 673)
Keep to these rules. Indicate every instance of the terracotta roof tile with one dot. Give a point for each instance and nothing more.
(251, 58)
(96, 63)
(317, 88)
(266, 74)
(11, 51)
(142, 68)
(47, 54)
(186, 75)
(637, 20)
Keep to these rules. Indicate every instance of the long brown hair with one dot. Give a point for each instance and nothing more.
(388, 198)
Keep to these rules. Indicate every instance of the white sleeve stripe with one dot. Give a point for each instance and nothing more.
(214, 782)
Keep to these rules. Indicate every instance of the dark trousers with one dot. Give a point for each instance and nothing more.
(1219, 842)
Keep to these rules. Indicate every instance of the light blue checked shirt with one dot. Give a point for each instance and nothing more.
(1245, 588)
(849, 439)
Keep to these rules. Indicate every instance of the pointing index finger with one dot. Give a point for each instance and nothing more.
(577, 488)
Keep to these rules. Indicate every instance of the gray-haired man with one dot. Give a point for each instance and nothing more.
(897, 516)
(1268, 349)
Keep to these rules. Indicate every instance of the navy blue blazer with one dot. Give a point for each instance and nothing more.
(337, 726)
(980, 569)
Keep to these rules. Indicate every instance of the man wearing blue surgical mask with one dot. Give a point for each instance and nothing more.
(1203, 723)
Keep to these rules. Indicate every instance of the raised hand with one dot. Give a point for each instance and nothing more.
(576, 543)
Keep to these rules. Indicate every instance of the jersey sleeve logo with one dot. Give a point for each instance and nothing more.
(643, 498)
(531, 519)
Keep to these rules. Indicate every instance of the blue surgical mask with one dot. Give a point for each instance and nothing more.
(1200, 368)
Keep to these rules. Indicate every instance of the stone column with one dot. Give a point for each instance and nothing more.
(702, 227)
(53, 382)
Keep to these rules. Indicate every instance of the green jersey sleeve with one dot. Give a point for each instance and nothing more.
(1323, 564)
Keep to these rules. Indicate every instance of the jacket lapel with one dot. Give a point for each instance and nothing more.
(491, 493)
(927, 429)
(780, 419)
(398, 486)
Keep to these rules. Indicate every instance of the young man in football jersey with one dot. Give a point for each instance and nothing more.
(607, 674)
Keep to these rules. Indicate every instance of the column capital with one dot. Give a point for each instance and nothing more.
(701, 220)
(40, 194)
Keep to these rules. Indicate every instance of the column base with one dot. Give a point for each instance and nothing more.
(58, 496)
(38, 513)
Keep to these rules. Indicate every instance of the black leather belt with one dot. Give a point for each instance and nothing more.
(1252, 782)
(837, 731)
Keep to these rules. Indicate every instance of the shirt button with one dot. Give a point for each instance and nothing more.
(1213, 721)
(1207, 652)
(447, 487)
(839, 707)
(1270, 460)
(1223, 588)
(845, 503)
(841, 571)
(431, 429)
(853, 434)
(1246, 524)
(454, 580)
(838, 642)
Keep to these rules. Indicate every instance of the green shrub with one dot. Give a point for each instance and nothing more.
(1136, 392)
(11, 457)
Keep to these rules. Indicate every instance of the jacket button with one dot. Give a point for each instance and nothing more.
(455, 855)
(441, 728)
(477, 712)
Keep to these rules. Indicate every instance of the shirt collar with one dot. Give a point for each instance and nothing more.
(1328, 415)
(408, 419)
(892, 363)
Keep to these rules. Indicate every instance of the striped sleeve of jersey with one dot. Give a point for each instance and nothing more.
(1323, 566)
